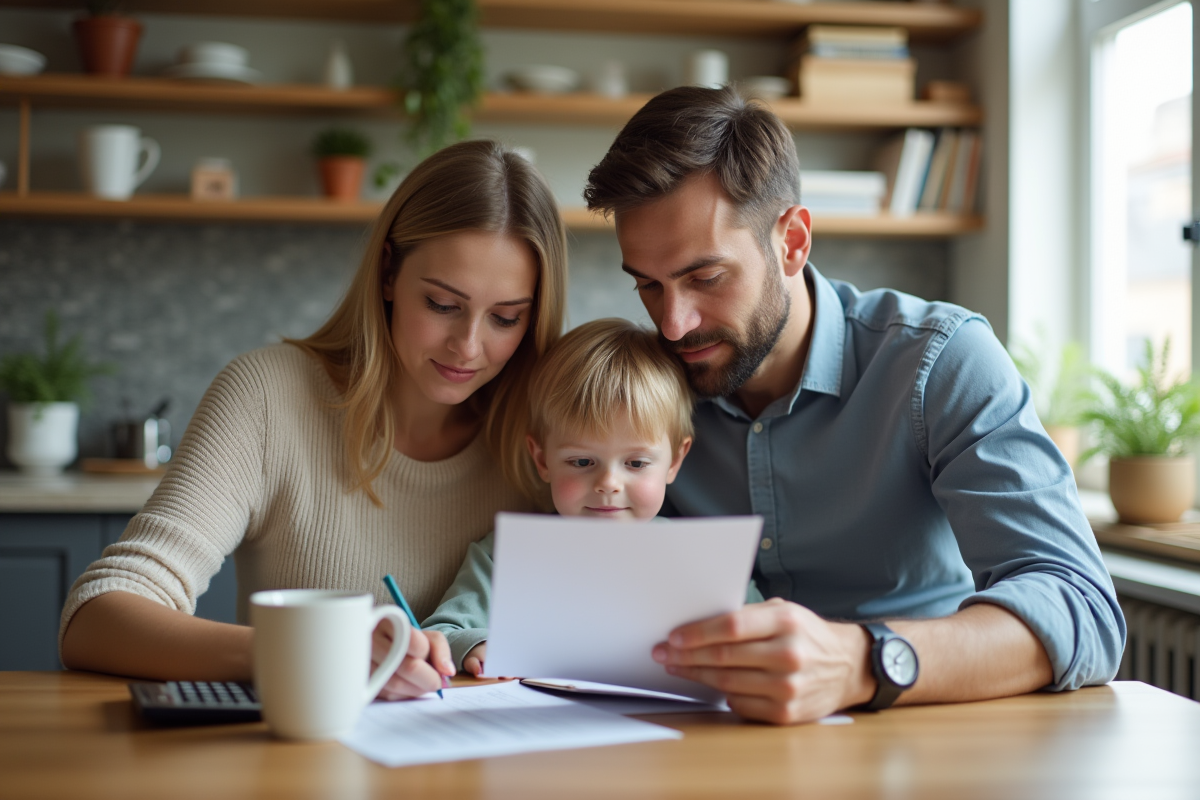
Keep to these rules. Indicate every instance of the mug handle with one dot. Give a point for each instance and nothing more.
(399, 649)
(153, 153)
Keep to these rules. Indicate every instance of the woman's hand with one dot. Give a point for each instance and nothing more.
(473, 660)
(421, 671)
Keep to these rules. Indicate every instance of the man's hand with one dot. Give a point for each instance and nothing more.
(473, 660)
(421, 670)
(775, 661)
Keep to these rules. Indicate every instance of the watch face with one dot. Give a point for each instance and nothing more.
(899, 662)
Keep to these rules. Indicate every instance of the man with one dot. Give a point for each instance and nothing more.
(888, 443)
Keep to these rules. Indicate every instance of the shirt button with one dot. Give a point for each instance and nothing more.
(765, 544)
(758, 429)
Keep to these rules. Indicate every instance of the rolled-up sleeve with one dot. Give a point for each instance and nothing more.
(462, 615)
(1012, 503)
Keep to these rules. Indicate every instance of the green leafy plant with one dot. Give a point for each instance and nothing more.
(1152, 417)
(443, 73)
(60, 376)
(1062, 390)
(341, 142)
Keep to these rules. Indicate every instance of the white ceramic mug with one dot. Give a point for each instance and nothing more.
(312, 658)
(708, 68)
(108, 160)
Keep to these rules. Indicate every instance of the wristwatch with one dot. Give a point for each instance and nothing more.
(894, 662)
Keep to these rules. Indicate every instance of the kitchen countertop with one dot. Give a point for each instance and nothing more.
(75, 493)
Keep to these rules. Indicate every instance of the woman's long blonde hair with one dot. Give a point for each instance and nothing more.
(470, 186)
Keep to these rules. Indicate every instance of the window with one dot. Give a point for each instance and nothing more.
(1141, 129)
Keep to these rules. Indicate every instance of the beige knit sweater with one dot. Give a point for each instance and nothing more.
(261, 473)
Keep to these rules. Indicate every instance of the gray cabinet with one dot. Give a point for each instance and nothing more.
(41, 555)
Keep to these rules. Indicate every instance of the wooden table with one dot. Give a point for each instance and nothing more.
(75, 735)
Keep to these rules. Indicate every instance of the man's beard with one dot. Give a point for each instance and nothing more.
(765, 327)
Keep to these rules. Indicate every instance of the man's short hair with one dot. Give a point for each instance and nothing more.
(692, 131)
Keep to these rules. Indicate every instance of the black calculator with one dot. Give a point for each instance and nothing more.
(196, 702)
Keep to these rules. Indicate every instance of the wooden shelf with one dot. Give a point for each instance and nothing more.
(320, 210)
(164, 94)
(772, 18)
(182, 207)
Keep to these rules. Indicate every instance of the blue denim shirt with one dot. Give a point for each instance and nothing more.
(908, 475)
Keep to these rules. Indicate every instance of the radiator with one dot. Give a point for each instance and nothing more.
(1163, 647)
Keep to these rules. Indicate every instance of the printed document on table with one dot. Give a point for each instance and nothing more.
(588, 599)
(498, 719)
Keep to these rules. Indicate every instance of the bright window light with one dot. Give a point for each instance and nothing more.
(1142, 167)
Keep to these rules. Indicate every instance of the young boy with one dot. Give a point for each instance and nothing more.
(610, 424)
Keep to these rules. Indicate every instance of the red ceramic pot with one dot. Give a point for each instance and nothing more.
(342, 177)
(107, 44)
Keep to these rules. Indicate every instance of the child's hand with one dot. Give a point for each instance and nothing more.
(473, 660)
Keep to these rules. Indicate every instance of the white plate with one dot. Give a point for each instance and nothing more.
(544, 79)
(213, 72)
(15, 60)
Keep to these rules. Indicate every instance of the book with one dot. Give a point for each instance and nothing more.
(843, 183)
(939, 167)
(905, 160)
(971, 191)
(858, 35)
(842, 193)
(838, 80)
(956, 191)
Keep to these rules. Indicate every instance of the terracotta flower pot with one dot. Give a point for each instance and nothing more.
(342, 177)
(107, 44)
(1152, 489)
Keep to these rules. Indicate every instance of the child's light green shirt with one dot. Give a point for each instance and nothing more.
(462, 616)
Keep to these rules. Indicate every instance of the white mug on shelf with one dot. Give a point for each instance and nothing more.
(108, 160)
(312, 658)
(708, 68)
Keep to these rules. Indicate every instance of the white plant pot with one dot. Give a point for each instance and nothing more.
(42, 436)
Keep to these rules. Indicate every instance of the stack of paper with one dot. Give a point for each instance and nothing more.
(494, 720)
(842, 193)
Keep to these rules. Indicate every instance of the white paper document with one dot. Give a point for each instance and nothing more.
(499, 719)
(588, 599)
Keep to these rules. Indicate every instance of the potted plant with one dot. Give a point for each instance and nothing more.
(1144, 429)
(1061, 391)
(342, 157)
(44, 394)
(107, 40)
(443, 73)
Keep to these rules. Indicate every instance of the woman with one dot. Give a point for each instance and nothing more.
(385, 442)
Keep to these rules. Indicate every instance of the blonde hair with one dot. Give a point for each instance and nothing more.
(469, 186)
(602, 372)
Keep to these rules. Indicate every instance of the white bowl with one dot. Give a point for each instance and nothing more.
(544, 79)
(765, 87)
(16, 60)
(211, 53)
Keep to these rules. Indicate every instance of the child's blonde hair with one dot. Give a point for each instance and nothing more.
(603, 371)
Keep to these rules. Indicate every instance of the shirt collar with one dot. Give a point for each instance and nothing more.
(823, 370)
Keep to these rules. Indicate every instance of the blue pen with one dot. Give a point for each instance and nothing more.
(390, 583)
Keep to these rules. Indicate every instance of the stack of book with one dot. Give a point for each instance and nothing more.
(841, 193)
(931, 172)
(853, 64)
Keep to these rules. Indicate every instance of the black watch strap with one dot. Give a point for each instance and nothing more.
(888, 690)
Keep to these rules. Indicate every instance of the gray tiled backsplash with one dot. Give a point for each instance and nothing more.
(170, 304)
